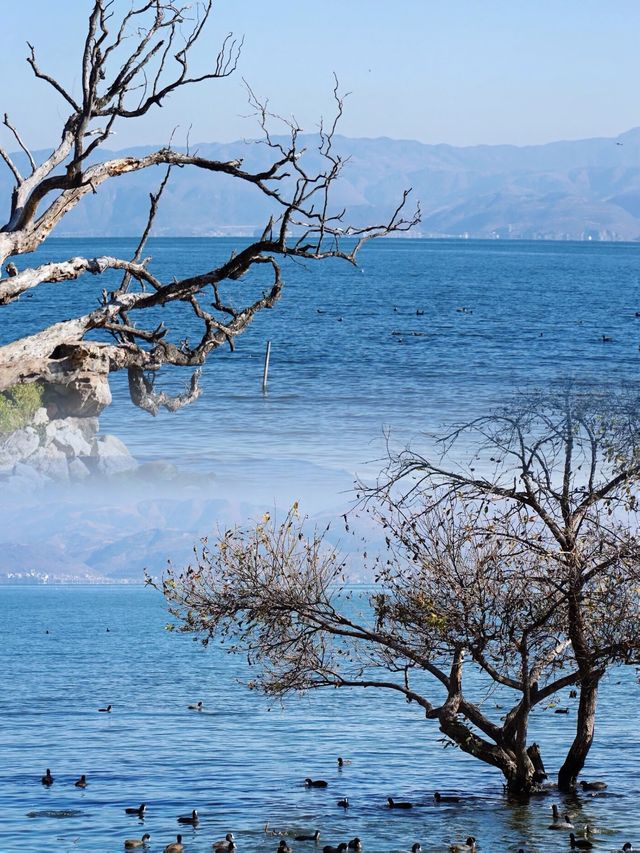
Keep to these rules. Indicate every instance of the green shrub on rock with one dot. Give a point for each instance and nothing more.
(18, 405)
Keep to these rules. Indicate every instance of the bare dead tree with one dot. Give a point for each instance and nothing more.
(131, 64)
(522, 579)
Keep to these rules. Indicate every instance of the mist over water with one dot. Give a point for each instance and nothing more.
(423, 335)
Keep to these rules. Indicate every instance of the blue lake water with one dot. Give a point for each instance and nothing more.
(239, 763)
(534, 312)
(350, 356)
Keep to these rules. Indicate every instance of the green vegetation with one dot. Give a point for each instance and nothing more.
(18, 405)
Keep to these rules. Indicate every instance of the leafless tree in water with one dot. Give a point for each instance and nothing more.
(507, 584)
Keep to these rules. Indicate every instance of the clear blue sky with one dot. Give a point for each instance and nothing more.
(465, 72)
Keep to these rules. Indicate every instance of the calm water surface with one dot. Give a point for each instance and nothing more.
(239, 763)
(366, 359)
(350, 354)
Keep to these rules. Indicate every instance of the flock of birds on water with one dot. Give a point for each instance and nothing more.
(560, 822)
(401, 335)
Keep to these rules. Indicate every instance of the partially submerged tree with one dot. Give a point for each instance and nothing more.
(130, 65)
(520, 572)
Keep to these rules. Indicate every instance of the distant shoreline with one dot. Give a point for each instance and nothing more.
(431, 238)
(557, 191)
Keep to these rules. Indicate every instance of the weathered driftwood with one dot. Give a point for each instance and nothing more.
(128, 66)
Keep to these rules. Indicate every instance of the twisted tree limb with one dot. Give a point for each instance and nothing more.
(129, 65)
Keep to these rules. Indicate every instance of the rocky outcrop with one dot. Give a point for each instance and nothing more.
(62, 449)
(85, 393)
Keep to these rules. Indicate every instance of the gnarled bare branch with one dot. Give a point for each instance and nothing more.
(18, 139)
(130, 62)
(143, 395)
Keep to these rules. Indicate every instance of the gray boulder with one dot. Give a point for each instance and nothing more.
(40, 417)
(25, 473)
(51, 461)
(78, 470)
(109, 455)
(18, 446)
(87, 427)
(65, 435)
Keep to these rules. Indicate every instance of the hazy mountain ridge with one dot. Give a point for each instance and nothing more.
(82, 548)
(110, 530)
(585, 189)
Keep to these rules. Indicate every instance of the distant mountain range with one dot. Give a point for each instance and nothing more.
(109, 530)
(585, 189)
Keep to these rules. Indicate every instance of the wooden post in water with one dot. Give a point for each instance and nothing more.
(265, 374)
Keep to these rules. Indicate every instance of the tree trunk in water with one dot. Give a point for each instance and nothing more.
(585, 727)
(533, 752)
(513, 761)
(521, 776)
